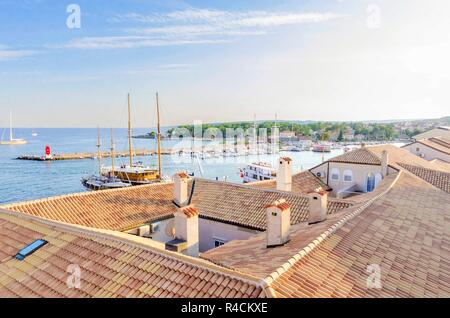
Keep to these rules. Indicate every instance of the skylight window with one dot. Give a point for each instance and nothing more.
(30, 249)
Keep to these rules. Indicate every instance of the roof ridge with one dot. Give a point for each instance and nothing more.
(148, 244)
(249, 187)
(79, 194)
(325, 235)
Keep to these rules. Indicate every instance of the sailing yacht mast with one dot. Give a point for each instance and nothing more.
(99, 154)
(10, 126)
(158, 137)
(112, 154)
(129, 131)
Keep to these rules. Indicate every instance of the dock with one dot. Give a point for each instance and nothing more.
(82, 156)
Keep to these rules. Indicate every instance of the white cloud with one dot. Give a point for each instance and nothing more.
(9, 54)
(122, 42)
(196, 26)
(243, 18)
(174, 66)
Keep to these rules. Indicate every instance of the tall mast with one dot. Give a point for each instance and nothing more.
(113, 155)
(255, 132)
(99, 154)
(10, 126)
(129, 131)
(158, 137)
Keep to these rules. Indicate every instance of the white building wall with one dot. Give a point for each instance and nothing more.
(209, 231)
(426, 152)
(360, 174)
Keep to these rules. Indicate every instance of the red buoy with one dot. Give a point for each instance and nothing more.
(47, 150)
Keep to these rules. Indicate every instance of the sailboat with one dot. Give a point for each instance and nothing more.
(12, 141)
(104, 182)
(137, 173)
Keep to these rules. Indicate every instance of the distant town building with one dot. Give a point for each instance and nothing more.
(287, 136)
(441, 131)
(436, 148)
(349, 134)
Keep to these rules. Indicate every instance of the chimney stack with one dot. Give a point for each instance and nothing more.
(384, 163)
(278, 223)
(186, 232)
(180, 189)
(318, 205)
(284, 174)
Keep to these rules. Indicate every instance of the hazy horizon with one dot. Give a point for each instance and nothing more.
(389, 120)
(221, 61)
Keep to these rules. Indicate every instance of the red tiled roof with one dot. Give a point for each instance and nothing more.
(361, 156)
(124, 209)
(118, 209)
(110, 266)
(245, 205)
(302, 183)
(439, 179)
(401, 228)
(403, 232)
(437, 143)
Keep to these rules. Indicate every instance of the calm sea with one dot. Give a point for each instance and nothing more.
(27, 180)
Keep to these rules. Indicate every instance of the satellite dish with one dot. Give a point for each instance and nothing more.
(170, 228)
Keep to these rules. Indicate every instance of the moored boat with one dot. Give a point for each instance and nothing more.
(321, 148)
(137, 173)
(258, 171)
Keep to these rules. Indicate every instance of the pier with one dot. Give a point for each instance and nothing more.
(82, 156)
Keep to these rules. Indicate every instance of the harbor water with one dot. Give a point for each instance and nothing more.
(28, 180)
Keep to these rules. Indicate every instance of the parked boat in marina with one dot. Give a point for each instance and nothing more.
(104, 182)
(322, 147)
(134, 173)
(258, 171)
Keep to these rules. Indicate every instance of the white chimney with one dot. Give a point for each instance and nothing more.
(284, 174)
(384, 163)
(180, 188)
(318, 206)
(278, 223)
(186, 230)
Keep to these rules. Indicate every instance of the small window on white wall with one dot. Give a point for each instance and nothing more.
(348, 176)
(335, 174)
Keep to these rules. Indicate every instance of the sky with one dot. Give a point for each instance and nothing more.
(72, 63)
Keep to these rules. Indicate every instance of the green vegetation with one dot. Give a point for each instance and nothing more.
(317, 130)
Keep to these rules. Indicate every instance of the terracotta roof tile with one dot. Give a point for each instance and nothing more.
(437, 143)
(128, 208)
(119, 209)
(42, 274)
(439, 179)
(361, 155)
(302, 183)
(379, 235)
(245, 205)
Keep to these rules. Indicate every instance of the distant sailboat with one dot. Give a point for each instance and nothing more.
(12, 141)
